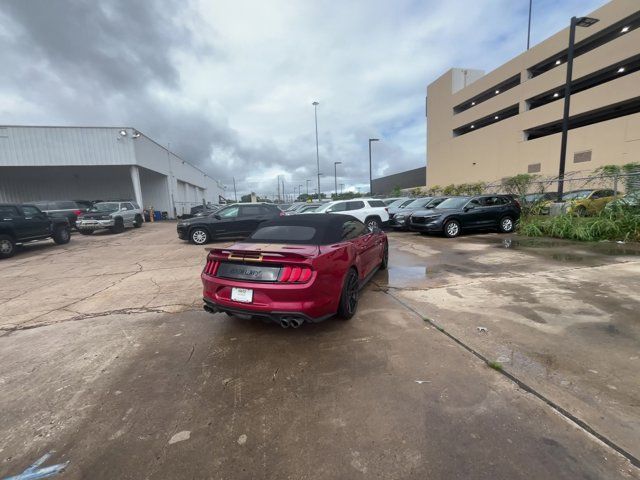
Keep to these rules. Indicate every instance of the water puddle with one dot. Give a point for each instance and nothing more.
(569, 251)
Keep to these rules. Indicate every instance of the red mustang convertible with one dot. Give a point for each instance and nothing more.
(295, 269)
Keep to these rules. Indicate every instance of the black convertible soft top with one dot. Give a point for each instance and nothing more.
(306, 229)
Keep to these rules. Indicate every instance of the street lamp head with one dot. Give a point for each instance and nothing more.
(586, 21)
(374, 139)
(337, 163)
(315, 104)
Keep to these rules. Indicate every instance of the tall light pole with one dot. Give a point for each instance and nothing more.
(235, 194)
(299, 190)
(335, 175)
(341, 187)
(529, 28)
(580, 22)
(315, 113)
(308, 187)
(370, 179)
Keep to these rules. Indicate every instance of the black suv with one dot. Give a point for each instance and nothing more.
(237, 220)
(26, 223)
(399, 217)
(456, 214)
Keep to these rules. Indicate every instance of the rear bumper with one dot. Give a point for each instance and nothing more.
(272, 316)
(313, 301)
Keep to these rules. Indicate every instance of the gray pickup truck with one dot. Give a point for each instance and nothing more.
(27, 223)
(115, 216)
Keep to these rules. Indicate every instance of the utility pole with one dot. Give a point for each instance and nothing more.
(308, 187)
(315, 112)
(335, 175)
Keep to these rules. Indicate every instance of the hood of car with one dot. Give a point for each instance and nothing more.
(433, 211)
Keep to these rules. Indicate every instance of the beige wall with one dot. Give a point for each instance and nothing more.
(500, 150)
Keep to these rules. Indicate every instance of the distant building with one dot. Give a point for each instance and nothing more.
(98, 163)
(408, 179)
(486, 127)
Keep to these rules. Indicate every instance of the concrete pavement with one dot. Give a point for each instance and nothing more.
(143, 384)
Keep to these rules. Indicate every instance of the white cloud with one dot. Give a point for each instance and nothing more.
(230, 83)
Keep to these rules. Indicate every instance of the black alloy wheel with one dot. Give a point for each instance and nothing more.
(385, 257)
(349, 297)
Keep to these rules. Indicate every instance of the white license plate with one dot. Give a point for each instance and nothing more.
(244, 295)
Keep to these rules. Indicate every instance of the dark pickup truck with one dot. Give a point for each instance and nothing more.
(27, 223)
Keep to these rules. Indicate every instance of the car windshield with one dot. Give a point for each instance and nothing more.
(418, 202)
(398, 203)
(457, 202)
(576, 195)
(105, 207)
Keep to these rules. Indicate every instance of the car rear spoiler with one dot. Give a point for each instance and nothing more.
(260, 255)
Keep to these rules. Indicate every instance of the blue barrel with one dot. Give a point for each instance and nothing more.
(157, 216)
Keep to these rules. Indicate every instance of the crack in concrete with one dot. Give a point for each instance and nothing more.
(7, 330)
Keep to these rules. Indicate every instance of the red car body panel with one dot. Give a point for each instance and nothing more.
(314, 299)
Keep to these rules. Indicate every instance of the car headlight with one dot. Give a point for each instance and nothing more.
(400, 217)
(432, 218)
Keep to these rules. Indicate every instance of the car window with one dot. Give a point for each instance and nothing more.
(30, 211)
(230, 212)
(127, 206)
(476, 202)
(353, 229)
(492, 201)
(338, 207)
(377, 203)
(250, 210)
(357, 205)
(7, 211)
(44, 205)
(284, 233)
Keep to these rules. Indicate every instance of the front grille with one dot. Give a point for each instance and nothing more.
(417, 219)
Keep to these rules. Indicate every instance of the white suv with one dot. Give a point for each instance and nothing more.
(373, 213)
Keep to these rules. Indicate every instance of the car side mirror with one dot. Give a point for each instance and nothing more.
(216, 216)
(469, 207)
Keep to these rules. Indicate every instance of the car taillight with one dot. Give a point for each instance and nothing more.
(77, 213)
(517, 202)
(211, 267)
(282, 214)
(386, 209)
(294, 274)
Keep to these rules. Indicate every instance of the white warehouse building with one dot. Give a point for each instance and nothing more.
(99, 163)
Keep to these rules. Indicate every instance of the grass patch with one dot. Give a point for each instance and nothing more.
(440, 328)
(608, 225)
(495, 365)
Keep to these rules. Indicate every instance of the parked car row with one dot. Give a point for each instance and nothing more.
(25, 223)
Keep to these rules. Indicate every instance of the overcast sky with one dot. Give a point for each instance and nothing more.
(229, 83)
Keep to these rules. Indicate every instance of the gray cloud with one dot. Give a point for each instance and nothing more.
(229, 84)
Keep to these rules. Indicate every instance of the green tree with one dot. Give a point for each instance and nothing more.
(519, 184)
(396, 192)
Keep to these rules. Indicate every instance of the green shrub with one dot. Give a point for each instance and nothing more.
(618, 224)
